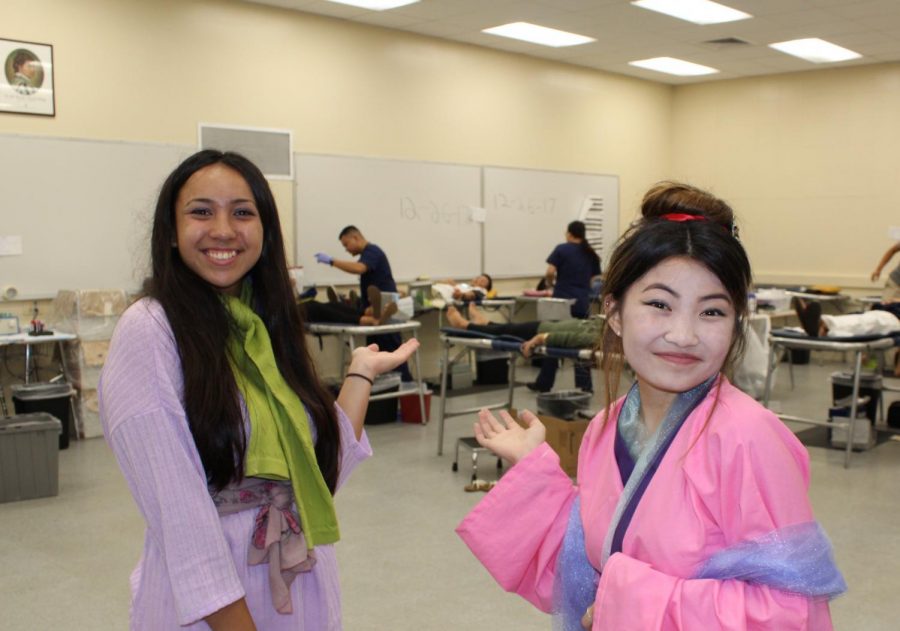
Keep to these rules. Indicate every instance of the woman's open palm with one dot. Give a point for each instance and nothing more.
(507, 438)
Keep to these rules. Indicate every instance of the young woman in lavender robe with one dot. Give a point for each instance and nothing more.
(230, 444)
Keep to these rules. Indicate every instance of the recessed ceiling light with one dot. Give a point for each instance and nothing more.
(815, 50)
(696, 11)
(376, 5)
(670, 65)
(538, 34)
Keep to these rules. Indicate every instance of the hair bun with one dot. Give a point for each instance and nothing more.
(665, 198)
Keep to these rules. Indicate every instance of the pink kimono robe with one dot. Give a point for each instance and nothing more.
(738, 477)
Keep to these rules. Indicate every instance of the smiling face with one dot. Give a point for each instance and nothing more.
(676, 323)
(218, 227)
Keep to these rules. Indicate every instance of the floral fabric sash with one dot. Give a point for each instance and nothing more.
(277, 538)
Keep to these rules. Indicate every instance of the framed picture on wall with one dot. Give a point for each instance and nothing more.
(26, 85)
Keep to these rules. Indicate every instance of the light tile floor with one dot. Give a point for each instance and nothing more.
(65, 561)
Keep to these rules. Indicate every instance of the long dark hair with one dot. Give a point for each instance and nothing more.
(201, 324)
(654, 239)
(578, 230)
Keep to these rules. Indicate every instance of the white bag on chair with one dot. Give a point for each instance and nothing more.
(750, 372)
(406, 307)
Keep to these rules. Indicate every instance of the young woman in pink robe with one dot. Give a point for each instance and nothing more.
(691, 509)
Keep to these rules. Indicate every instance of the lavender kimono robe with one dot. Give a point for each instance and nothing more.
(741, 476)
(194, 562)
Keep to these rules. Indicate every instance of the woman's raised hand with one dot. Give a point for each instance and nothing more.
(369, 361)
(506, 438)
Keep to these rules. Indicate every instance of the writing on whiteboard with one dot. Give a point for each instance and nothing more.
(537, 205)
(433, 211)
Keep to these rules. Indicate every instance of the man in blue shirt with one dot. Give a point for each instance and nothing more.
(373, 270)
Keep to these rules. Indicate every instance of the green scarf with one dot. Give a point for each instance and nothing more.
(281, 445)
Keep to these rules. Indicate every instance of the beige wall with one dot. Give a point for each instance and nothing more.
(809, 160)
(150, 71)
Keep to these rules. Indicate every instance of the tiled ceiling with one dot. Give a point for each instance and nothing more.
(626, 33)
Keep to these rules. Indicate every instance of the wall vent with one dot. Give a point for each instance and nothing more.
(269, 149)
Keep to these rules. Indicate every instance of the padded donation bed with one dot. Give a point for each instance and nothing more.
(348, 334)
(788, 339)
(469, 340)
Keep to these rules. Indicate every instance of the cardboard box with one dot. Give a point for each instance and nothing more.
(564, 437)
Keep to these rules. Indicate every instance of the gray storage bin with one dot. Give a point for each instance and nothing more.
(29, 456)
(460, 375)
(863, 432)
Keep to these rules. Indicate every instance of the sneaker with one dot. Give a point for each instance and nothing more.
(353, 299)
(332, 295)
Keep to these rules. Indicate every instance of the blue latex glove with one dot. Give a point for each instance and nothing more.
(323, 258)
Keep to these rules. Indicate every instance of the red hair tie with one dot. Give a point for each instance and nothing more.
(682, 217)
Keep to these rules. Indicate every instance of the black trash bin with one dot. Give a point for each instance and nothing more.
(564, 404)
(52, 398)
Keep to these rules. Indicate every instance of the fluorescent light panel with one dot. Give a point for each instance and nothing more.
(376, 5)
(815, 50)
(696, 11)
(538, 34)
(671, 65)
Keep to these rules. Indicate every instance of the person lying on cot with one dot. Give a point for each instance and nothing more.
(340, 313)
(476, 289)
(571, 333)
(880, 320)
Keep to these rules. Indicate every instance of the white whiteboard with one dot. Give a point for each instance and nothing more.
(419, 213)
(528, 211)
(83, 210)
